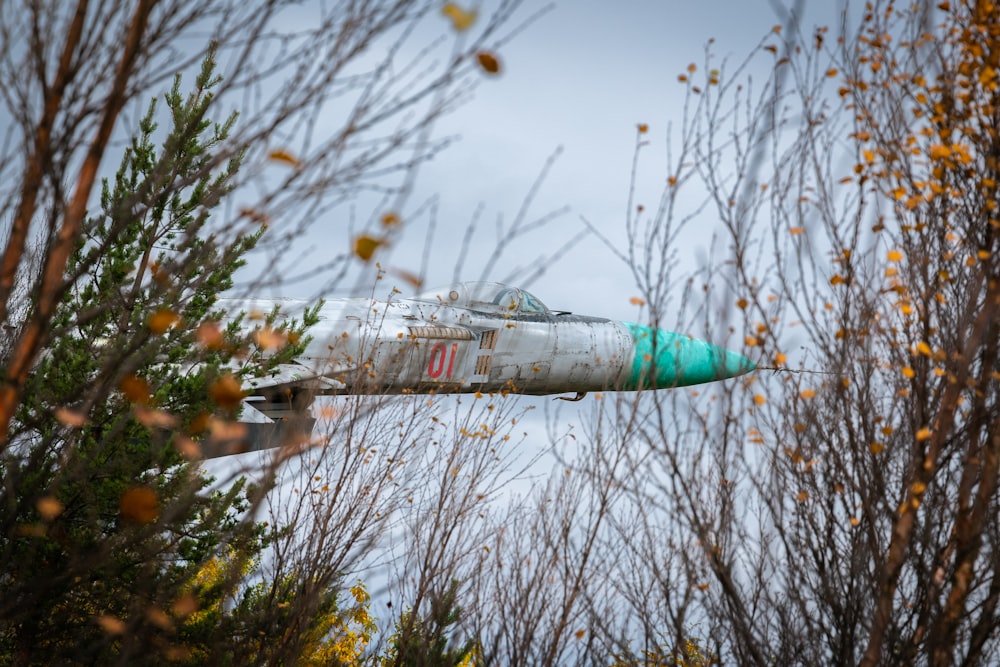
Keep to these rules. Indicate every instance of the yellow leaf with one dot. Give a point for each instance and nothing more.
(365, 246)
(939, 152)
(807, 393)
(284, 156)
(489, 62)
(923, 434)
(461, 19)
(908, 372)
(162, 320)
(139, 504)
(924, 348)
(779, 358)
(894, 256)
(759, 399)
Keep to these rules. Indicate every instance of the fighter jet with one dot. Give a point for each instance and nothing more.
(476, 337)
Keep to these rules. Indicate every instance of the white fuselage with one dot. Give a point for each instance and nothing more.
(410, 346)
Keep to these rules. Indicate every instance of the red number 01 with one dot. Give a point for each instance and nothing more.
(439, 354)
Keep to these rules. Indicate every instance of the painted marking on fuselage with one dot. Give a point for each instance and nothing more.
(442, 360)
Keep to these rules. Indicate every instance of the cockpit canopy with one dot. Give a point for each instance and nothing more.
(486, 297)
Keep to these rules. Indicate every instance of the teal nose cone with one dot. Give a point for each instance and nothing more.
(665, 359)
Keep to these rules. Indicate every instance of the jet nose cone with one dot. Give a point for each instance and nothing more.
(665, 359)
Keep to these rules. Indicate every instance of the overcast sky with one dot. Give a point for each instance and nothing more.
(580, 78)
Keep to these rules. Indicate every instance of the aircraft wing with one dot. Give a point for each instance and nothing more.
(275, 409)
(295, 376)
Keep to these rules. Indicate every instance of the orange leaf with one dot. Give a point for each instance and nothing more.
(643, 128)
(365, 246)
(226, 392)
(135, 389)
(255, 215)
(286, 157)
(939, 152)
(268, 339)
(807, 393)
(489, 62)
(162, 319)
(139, 504)
(69, 417)
(49, 507)
(151, 418)
(185, 605)
(111, 624)
(390, 219)
(411, 278)
(636, 301)
(209, 335)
